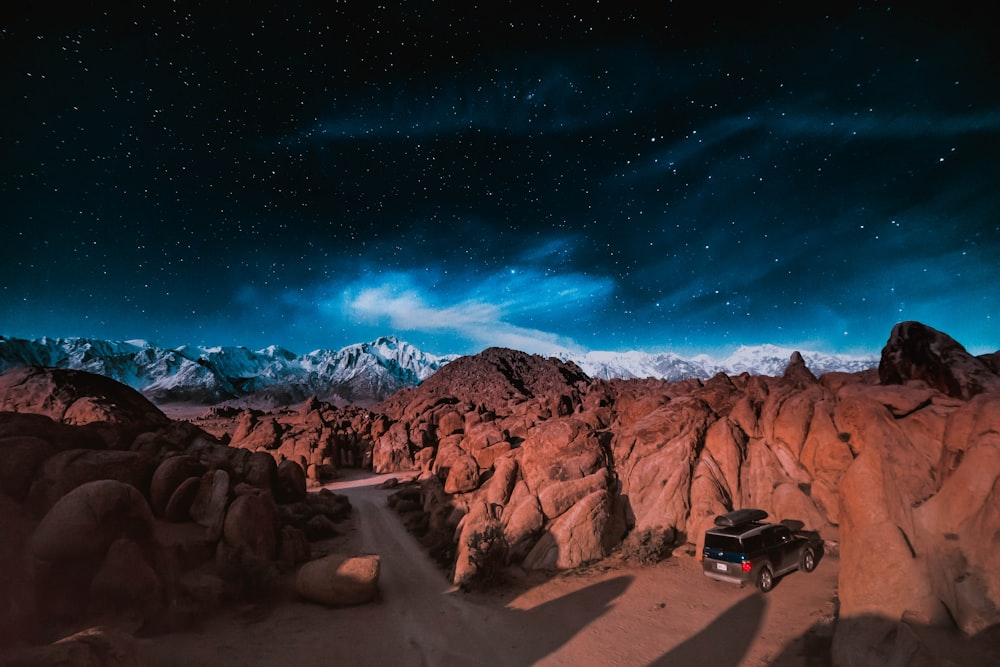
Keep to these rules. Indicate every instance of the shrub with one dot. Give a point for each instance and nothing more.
(648, 546)
(488, 556)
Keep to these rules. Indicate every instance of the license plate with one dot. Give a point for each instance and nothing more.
(721, 567)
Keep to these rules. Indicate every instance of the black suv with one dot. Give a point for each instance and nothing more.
(742, 548)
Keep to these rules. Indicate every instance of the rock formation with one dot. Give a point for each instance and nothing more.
(114, 515)
(526, 460)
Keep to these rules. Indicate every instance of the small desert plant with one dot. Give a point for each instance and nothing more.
(487, 555)
(648, 546)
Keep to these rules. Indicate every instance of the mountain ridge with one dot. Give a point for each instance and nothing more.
(359, 373)
(272, 375)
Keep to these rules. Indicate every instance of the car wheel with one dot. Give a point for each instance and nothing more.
(808, 561)
(765, 580)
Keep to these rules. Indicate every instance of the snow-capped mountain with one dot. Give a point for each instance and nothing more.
(362, 372)
(755, 360)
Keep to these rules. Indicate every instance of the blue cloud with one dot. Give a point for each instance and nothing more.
(521, 306)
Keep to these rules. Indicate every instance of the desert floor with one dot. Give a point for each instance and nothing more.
(608, 613)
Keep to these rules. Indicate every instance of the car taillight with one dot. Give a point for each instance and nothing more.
(746, 566)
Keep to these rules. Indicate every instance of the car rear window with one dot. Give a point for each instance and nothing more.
(723, 542)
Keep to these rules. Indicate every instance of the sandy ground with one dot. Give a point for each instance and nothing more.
(608, 613)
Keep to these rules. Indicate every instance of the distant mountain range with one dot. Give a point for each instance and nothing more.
(365, 372)
(755, 360)
(361, 373)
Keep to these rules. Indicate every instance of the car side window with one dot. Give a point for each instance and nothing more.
(782, 534)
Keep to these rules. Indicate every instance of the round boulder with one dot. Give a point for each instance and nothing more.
(338, 580)
(251, 523)
(291, 485)
(169, 475)
(84, 522)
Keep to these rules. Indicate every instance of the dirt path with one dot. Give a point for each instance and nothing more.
(668, 614)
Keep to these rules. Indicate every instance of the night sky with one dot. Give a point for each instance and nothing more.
(687, 176)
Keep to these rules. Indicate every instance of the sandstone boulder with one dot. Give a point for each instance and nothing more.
(83, 523)
(449, 422)
(291, 483)
(392, 450)
(20, 458)
(463, 476)
(168, 476)
(260, 470)
(253, 432)
(103, 646)
(558, 497)
(208, 508)
(558, 450)
(179, 506)
(916, 351)
(338, 580)
(251, 525)
(125, 590)
(480, 551)
(55, 392)
(522, 522)
(67, 470)
(18, 615)
(576, 537)
(72, 541)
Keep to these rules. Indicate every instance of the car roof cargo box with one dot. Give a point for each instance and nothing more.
(738, 517)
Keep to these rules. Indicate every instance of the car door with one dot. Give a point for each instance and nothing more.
(785, 549)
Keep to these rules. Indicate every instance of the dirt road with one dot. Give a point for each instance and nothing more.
(608, 614)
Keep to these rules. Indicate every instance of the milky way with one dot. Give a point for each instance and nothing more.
(571, 176)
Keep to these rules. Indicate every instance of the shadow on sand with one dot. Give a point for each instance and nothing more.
(547, 627)
(725, 642)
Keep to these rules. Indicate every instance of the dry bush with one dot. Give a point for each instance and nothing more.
(648, 546)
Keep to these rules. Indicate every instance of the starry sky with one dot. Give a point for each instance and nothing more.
(666, 176)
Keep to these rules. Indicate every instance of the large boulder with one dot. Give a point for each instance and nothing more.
(291, 482)
(392, 450)
(558, 497)
(18, 614)
(83, 523)
(463, 475)
(73, 539)
(916, 351)
(99, 645)
(77, 397)
(578, 536)
(522, 521)
(253, 432)
(338, 580)
(125, 589)
(654, 458)
(208, 508)
(169, 475)
(251, 524)
(67, 470)
(20, 458)
(560, 449)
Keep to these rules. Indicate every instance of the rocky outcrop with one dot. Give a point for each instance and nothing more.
(317, 436)
(79, 398)
(114, 514)
(902, 464)
(524, 460)
(918, 352)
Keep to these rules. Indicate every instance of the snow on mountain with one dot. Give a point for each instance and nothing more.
(362, 372)
(756, 360)
(365, 372)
